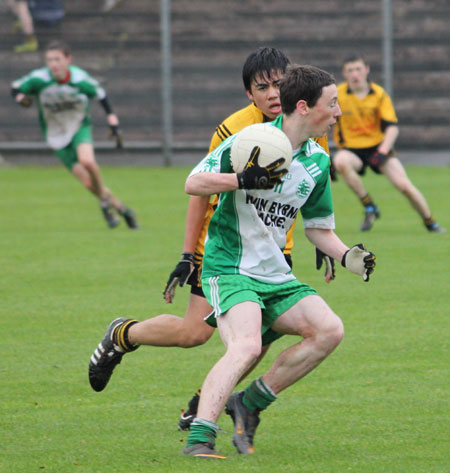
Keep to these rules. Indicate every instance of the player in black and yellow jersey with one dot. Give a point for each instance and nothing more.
(262, 73)
(365, 135)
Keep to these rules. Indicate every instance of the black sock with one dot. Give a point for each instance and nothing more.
(429, 221)
(367, 201)
(120, 336)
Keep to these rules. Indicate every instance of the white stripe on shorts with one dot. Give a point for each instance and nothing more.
(215, 295)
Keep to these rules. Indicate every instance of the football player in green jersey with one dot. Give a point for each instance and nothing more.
(245, 277)
(261, 74)
(62, 93)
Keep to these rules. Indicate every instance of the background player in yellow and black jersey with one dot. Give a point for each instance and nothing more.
(262, 73)
(365, 135)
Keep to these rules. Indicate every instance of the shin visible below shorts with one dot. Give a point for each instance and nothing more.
(224, 292)
(68, 155)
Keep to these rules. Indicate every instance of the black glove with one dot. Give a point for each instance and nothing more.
(179, 276)
(359, 261)
(115, 133)
(330, 269)
(377, 159)
(27, 101)
(288, 258)
(256, 177)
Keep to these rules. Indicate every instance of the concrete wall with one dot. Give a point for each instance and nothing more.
(210, 43)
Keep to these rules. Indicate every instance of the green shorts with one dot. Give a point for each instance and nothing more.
(224, 292)
(68, 155)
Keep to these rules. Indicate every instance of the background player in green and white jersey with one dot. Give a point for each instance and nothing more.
(62, 94)
(245, 276)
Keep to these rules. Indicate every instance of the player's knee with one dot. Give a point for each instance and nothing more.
(249, 350)
(336, 334)
(87, 183)
(245, 351)
(89, 165)
(405, 188)
(331, 335)
(197, 338)
(340, 162)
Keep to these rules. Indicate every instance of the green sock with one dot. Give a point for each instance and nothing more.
(202, 431)
(125, 211)
(258, 396)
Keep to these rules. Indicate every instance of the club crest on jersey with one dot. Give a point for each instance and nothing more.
(303, 189)
(210, 163)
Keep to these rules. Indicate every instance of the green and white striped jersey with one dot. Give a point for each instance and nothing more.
(247, 232)
(63, 107)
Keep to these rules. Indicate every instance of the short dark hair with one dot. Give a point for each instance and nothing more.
(263, 62)
(302, 83)
(353, 57)
(58, 45)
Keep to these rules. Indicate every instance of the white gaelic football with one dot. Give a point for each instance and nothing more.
(273, 142)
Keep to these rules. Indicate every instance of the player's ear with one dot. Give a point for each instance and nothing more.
(249, 95)
(302, 107)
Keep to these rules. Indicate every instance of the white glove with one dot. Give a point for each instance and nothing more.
(359, 261)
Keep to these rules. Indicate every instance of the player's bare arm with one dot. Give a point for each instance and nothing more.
(356, 259)
(22, 99)
(19, 97)
(195, 219)
(209, 183)
(390, 136)
(112, 119)
(327, 241)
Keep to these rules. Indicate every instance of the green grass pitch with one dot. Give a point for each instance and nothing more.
(378, 404)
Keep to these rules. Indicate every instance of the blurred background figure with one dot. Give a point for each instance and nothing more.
(108, 5)
(46, 12)
(62, 93)
(365, 135)
(33, 14)
(24, 23)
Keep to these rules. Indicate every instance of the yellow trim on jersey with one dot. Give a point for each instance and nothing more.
(231, 125)
(323, 142)
(234, 123)
(360, 125)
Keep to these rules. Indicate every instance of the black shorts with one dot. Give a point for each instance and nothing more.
(364, 154)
